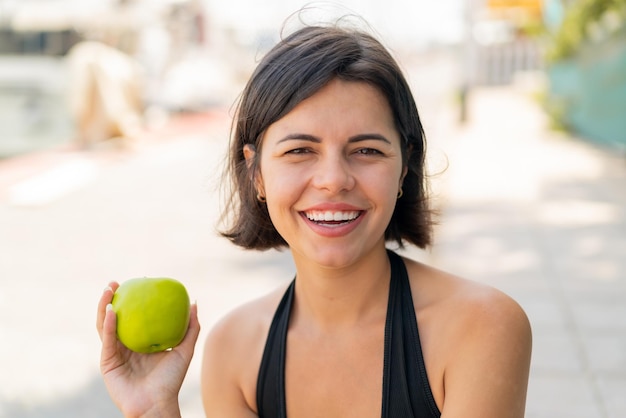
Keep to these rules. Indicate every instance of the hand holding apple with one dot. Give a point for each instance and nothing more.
(152, 313)
(143, 384)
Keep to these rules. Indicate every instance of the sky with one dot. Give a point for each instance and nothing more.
(423, 21)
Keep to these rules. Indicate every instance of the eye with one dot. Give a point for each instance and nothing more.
(368, 151)
(298, 151)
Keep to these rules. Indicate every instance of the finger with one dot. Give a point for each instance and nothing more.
(187, 346)
(109, 340)
(105, 299)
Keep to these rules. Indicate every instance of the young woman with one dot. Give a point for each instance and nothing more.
(327, 160)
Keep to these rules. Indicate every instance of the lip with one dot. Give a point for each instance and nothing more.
(330, 230)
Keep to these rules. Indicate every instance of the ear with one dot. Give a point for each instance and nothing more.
(250, 154)
(405, 170)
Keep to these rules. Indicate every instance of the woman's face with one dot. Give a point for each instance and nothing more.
(330, 170)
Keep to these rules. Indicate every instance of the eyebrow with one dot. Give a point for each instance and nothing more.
(302, 137)
(365, 137)
(355, 138)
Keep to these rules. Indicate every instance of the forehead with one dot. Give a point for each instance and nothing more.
(341, 108)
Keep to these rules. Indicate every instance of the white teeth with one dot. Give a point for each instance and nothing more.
(328, 215)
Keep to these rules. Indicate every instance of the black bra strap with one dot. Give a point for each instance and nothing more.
(406, 390)
(270, 400)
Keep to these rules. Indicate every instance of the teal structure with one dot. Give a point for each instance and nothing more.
(589, 91)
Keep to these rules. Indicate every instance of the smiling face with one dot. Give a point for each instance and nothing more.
(330, 170)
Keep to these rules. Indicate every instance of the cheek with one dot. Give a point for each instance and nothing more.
(282, 192)
(282, 188)
(385, 180)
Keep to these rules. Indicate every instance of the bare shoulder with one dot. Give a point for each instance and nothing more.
(232, 354)
(469, 304)
(477, 344)
(248, 321)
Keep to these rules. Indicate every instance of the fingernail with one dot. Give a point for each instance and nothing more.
(108, 288)
(109, 307)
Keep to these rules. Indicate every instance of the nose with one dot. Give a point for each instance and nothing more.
(333, 174)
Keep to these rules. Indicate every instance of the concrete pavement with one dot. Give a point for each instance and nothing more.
(542, 216)
(537, 214)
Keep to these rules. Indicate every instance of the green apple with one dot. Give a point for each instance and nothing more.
(152, 313)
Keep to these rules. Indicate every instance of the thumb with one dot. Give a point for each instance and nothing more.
(109, 355)
(187, 346)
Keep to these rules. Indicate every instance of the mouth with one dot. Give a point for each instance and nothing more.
(332, 218)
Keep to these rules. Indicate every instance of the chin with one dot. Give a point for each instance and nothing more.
(337, 257)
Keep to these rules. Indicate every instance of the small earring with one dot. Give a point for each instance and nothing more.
(260, 198)
(400, 193)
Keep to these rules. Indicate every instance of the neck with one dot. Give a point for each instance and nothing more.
(332, 299)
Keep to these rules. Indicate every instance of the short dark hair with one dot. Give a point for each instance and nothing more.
(295, 69)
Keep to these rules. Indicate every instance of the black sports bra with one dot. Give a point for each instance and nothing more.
(405, 387)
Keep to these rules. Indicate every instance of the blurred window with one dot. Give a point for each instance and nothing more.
(52, 43)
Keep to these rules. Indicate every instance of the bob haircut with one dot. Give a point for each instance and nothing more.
(293, 70)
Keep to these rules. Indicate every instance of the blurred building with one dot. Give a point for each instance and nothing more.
(36, 37)
(499, 48)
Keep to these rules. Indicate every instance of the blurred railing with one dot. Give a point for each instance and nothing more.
(497, 64)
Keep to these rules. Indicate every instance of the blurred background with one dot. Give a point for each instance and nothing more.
(114, 123)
